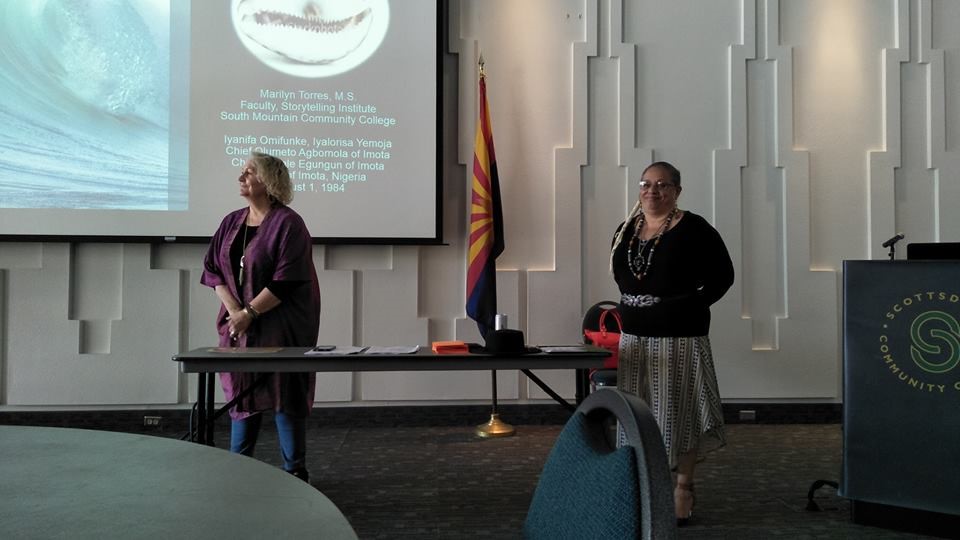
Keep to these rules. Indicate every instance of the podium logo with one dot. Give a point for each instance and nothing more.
(920, 342)
(935, 341)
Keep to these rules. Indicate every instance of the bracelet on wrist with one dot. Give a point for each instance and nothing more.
(254, 314)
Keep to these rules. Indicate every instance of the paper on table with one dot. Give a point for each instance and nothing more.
(245, 350)
(338, 350)
(563, 348)
(397, 349)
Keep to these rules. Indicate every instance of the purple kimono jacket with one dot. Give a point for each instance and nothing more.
(280, 251)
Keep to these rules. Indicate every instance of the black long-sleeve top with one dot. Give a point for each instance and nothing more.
(690, 270)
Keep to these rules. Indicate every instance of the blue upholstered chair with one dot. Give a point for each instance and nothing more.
(590, 489)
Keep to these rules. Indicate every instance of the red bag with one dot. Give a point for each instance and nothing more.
(609, 339)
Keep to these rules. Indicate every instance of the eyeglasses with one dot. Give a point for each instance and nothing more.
(646, 185)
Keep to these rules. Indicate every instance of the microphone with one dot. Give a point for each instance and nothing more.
(898, 237)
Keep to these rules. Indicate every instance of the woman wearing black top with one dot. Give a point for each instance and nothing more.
(671, 266)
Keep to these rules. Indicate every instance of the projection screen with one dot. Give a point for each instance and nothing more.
(130, 119)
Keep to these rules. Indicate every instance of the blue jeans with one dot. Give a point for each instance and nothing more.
(291, 430)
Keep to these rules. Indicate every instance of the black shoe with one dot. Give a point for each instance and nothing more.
(301, 473)
(684, 490)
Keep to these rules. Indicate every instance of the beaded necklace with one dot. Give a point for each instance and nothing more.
(640, 265)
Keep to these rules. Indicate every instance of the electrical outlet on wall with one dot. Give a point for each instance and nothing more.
(152, 421)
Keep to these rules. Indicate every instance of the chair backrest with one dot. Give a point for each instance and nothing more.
(589, 488)
(591, 318)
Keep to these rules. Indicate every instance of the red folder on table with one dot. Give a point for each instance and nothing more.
(450, 347)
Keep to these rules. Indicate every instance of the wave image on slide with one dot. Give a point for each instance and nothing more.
(84, 104)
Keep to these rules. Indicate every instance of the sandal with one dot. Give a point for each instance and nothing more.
(684, 491)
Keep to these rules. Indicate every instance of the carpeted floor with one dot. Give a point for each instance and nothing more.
(444, 482)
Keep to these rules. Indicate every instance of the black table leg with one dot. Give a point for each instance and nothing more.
(201, 409)
(543, 386)
(582, 384)
(207, 412)
(211, 409)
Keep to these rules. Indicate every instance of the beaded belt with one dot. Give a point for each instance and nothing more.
(639, 300)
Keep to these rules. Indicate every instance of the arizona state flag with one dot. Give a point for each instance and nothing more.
(486, 223)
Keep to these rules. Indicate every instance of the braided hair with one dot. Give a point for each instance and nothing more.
(634, 212)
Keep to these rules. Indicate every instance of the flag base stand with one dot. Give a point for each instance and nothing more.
(495, 428)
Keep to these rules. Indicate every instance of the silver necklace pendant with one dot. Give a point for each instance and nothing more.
(638, 264)
(243, 254)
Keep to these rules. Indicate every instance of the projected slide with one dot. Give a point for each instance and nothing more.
(133, 117)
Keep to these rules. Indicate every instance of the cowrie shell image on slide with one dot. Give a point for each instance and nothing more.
(311, 38)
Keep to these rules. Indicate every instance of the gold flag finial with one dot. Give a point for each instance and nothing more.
(480, 63)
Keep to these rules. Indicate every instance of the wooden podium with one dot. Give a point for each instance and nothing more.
(901, 390)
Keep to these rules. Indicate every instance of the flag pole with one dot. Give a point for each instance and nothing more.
(494, 427)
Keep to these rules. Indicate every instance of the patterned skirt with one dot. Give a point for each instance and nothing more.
(676, 378)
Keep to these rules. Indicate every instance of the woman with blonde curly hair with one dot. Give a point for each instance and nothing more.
(260, 264)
